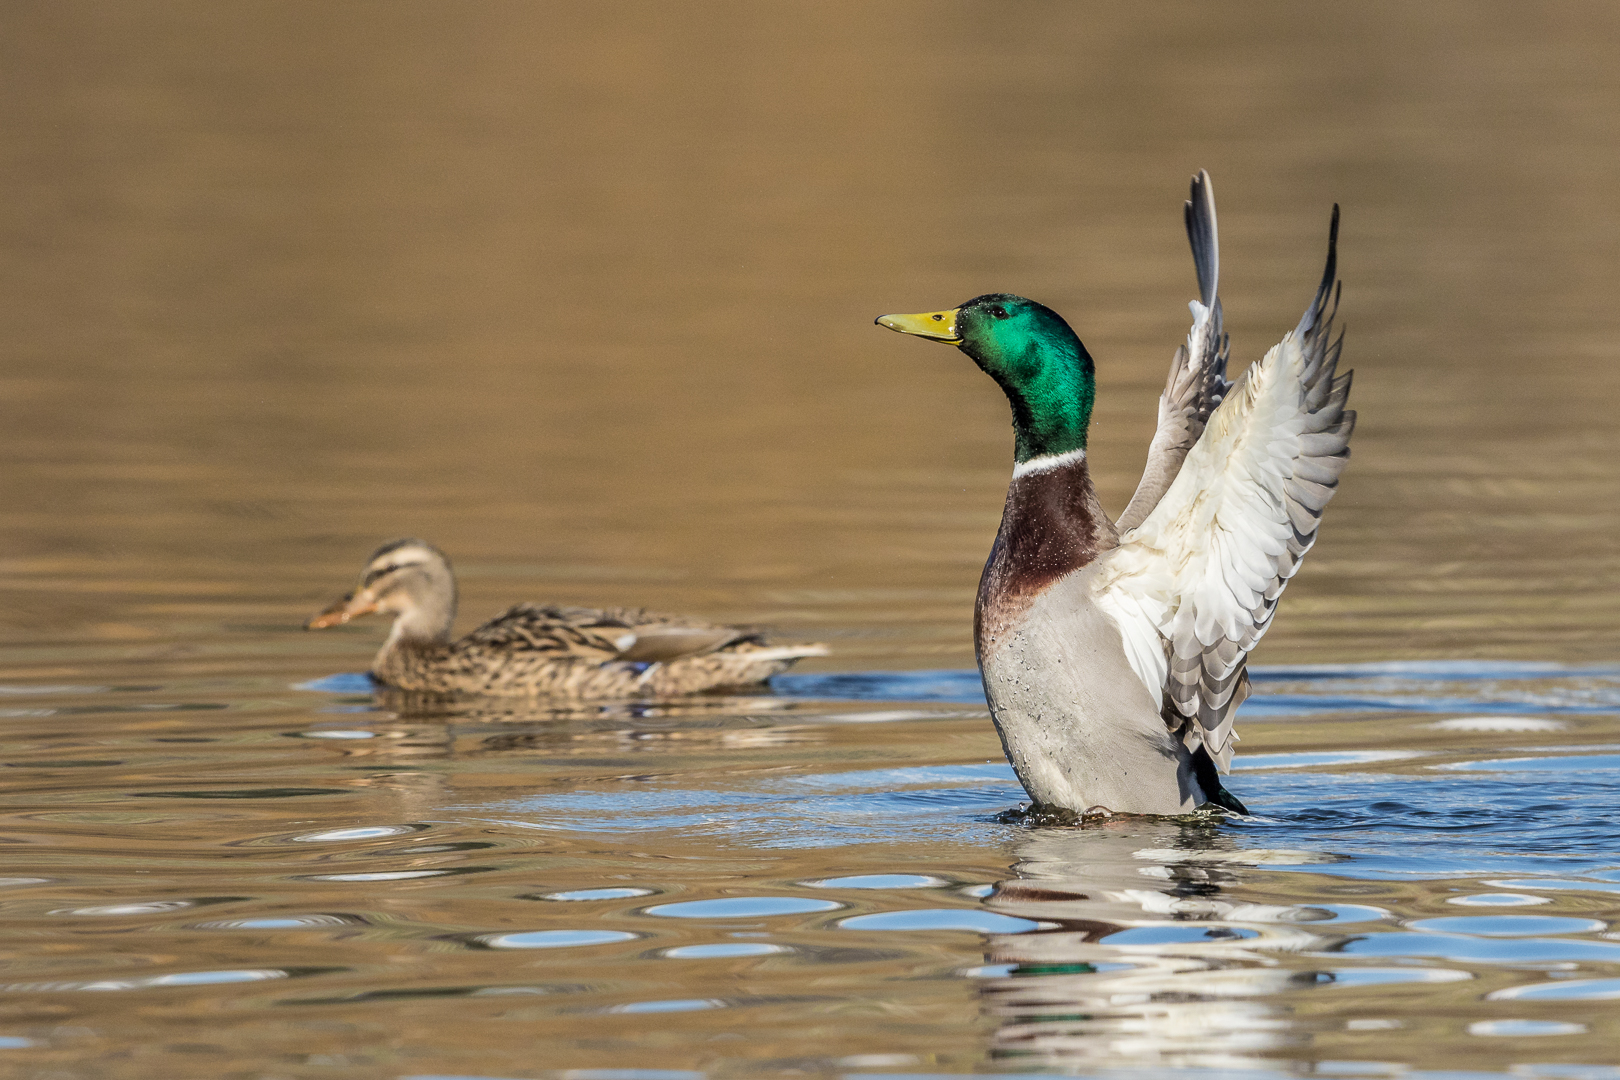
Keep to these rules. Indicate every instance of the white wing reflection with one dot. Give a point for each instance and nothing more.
(1148, 960)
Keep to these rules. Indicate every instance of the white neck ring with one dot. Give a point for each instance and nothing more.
(1047, 462)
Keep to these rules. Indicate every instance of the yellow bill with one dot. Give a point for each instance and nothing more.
(933, 325)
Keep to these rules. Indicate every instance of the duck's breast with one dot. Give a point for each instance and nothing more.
(1078, 725)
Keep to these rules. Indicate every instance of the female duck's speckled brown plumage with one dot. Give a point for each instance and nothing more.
(543, 651)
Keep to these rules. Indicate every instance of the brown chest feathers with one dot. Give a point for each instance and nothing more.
(1052, 526)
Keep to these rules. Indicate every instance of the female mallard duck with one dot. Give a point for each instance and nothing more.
(1113, 653)
(556, 652)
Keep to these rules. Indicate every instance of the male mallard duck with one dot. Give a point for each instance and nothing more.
(558, 652)
(1113, 653)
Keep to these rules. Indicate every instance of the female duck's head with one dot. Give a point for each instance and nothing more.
(409, 579)
(1030, 351)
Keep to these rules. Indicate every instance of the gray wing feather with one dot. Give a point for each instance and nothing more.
(1207, 669)
(1197, 381)
(1199, 213)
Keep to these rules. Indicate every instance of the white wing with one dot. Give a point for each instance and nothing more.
(1197, 382)
(1195, 585)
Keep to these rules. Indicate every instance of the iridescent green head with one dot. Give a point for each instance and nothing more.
(1030, 351)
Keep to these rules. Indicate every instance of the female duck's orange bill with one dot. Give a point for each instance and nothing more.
(351, 606)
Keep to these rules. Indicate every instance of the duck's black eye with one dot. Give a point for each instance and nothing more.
(998, 312)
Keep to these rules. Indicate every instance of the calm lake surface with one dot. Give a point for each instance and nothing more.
(583, 294)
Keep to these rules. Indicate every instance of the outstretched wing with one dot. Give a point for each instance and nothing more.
(1197, 382)
(1195, 585)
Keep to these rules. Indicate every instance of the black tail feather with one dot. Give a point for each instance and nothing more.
(1209, 778)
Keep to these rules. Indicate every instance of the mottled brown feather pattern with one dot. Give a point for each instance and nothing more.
(568, 652)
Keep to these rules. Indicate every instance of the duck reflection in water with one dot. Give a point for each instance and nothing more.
(1145, 956)
(401, 728)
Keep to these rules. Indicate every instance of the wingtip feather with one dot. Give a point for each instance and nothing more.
(1317, 314)
(1202, 235)
(1329, 276)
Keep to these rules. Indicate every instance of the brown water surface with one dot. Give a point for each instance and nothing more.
(583, 294)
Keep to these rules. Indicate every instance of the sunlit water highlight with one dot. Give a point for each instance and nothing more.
(583, 294)
(766, 865)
